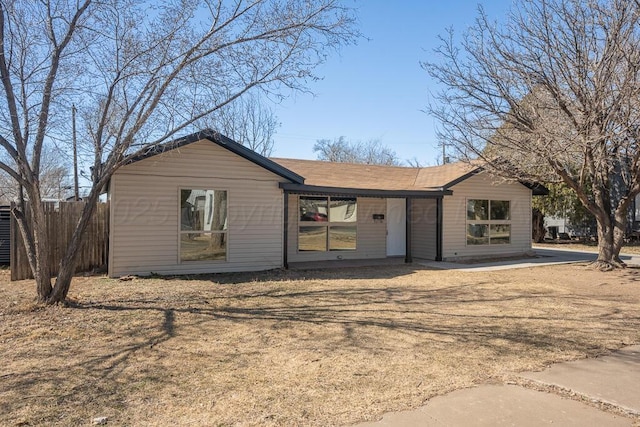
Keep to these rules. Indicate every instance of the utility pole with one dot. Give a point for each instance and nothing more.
(445, 159)
(76, 193)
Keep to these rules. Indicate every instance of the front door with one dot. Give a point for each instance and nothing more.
(396, 227)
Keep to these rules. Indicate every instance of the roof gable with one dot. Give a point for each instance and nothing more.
(447, 175)
(226, 143)
(537, 189)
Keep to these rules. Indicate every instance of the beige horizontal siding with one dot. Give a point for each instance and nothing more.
(371, 240)
(424, 227)
(203, 159)
(482, 186)
(145, 212)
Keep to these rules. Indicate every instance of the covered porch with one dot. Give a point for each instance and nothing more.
(332, 226)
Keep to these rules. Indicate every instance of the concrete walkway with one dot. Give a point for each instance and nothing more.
(543, 256)
(603, 391)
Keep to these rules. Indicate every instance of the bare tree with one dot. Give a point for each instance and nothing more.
(551, 95)
(249, 122)
(55, 178)
(139, 73)
(415, 162)
(341, 150)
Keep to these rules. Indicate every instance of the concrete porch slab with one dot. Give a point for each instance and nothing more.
(339, 263)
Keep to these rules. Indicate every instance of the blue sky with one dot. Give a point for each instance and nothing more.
(377, 89)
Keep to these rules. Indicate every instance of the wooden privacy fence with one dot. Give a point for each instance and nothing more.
(62, 218)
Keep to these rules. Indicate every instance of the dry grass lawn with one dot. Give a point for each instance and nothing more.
(293, 348)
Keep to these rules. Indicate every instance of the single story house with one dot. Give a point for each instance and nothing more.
(204, 203)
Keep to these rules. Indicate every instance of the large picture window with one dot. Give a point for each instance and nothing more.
(488, 222)
(327, 224)
(203, 225)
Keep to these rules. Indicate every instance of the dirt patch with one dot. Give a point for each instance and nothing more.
(328, 347)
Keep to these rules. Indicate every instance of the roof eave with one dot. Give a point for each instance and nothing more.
(536, 188)
(258, 159)
(363, 192)
(466, 176)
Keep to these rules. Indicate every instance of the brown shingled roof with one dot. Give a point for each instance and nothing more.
(376, 177)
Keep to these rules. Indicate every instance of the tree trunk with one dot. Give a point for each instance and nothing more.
(619, 233)
(33, 227)
(538, 229)
(32, 224)
(67, 266)
(610, 240)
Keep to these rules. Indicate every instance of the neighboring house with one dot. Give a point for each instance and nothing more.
(204, 203)
(559, 227)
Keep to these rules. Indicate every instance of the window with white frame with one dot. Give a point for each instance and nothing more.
(327, 224)
(203, 225)
(488, 222)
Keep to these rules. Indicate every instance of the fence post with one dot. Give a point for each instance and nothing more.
(13, 255)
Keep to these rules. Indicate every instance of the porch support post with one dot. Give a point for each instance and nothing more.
(408, 257)
(439, 229)
(285, 231)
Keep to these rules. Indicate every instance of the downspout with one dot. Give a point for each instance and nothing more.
(439, 229)
(285, 234)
